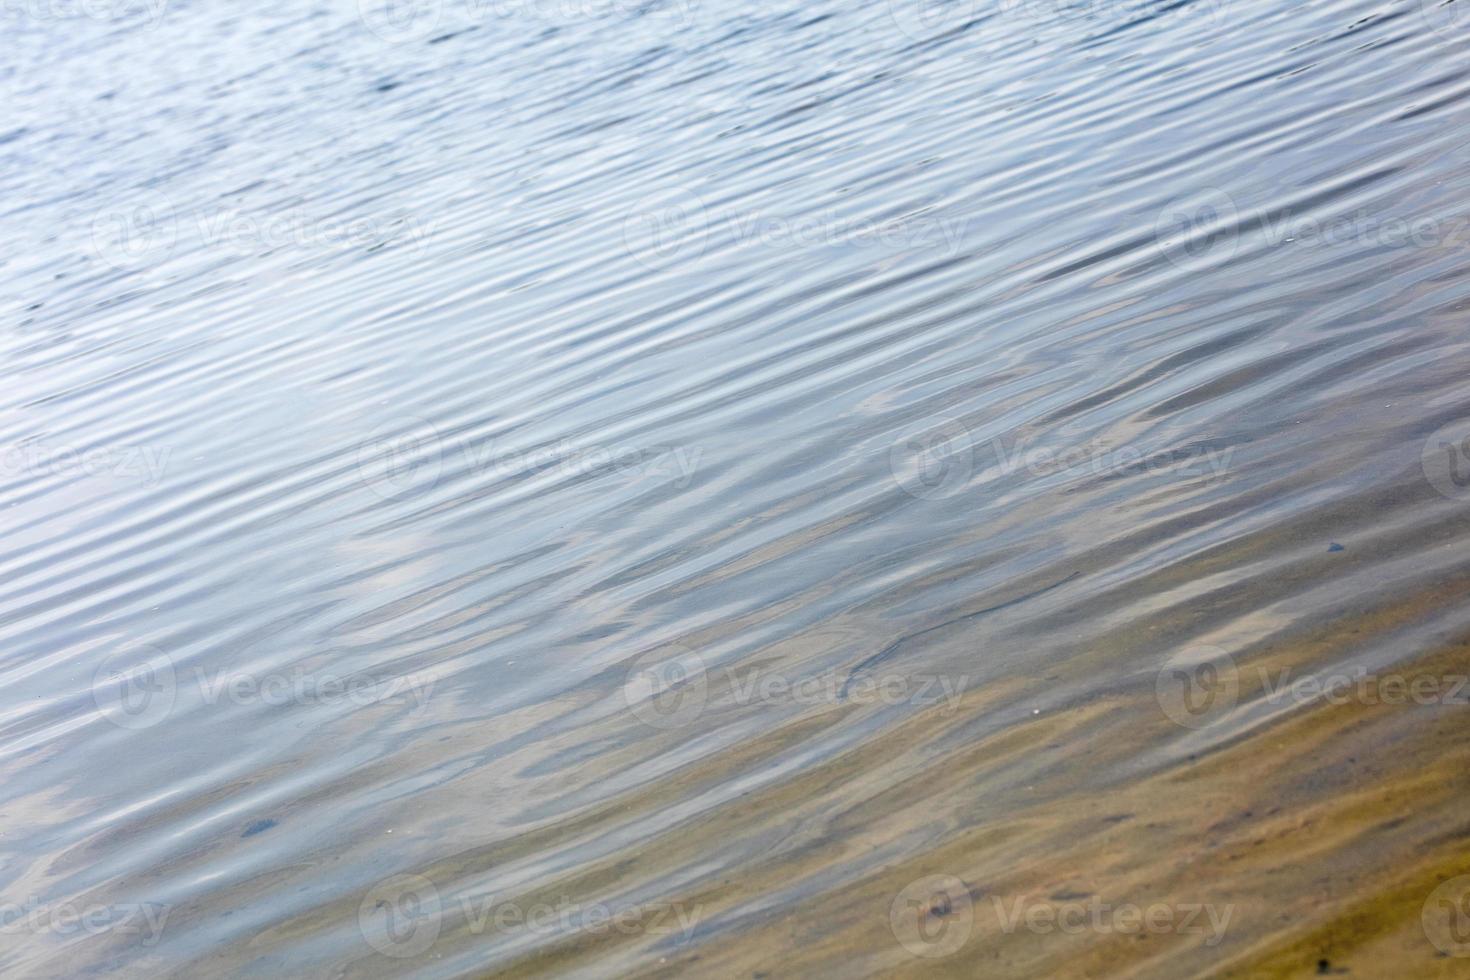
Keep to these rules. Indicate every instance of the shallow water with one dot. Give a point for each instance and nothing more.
(593, 489)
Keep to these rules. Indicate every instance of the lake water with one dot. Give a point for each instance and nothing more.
(595, 488)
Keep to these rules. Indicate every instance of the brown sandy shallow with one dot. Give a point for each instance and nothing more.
(1313, 834)
(1318, 838)
(1320, 854)
(1272, 839)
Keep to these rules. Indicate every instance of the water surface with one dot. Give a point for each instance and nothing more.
(752, 490)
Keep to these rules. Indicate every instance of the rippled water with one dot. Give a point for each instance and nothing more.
(583, 488)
